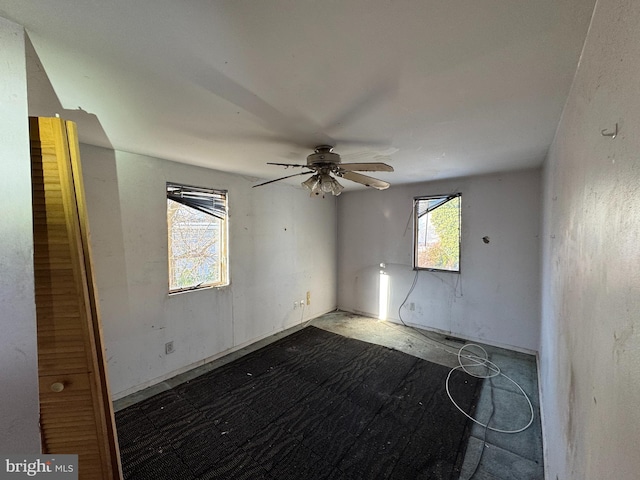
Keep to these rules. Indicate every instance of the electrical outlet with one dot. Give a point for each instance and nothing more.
(308, 297)
(168, 347)
(412, 306)
(295, 305)
(302, 303)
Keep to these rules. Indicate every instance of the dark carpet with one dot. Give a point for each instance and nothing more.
(313, 405)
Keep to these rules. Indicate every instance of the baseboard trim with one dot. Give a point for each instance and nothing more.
(169, 380)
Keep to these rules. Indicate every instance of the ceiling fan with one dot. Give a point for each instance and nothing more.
(323, 162)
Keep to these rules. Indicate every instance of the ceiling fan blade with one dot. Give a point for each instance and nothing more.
(281, 178)
(286, 164)
(366, 167)
(365, 180)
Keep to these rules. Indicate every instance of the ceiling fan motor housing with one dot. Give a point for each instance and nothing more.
(323, 154)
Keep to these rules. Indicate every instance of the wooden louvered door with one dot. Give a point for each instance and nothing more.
(76, 414)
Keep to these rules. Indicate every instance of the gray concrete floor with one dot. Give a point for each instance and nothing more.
(490, 455)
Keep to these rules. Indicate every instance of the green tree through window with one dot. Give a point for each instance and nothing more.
(437, 232)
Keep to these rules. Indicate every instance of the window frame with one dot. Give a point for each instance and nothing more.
(416, 217)
(217, 206)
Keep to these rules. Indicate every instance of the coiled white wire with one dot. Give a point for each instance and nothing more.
(495, 371)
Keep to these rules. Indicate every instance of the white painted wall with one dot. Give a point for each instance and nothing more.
(496, 297)
(19, 408)
(282, 244)
(590, 341)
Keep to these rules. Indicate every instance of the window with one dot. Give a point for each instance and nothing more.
(437, 232)
(197, 224)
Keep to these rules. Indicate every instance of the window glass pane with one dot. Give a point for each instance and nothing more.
(197, 247)
(437, 233)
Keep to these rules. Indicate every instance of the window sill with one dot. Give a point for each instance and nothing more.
(197, 289)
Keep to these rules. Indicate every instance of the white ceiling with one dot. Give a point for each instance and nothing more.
(436, 88)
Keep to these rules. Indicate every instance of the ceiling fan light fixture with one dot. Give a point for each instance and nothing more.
(322, 183)
(336, 188)
(310, 182)
(326, 183)
(314, 185)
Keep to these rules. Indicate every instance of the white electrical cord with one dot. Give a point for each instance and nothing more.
(495, 371)
(478, 362)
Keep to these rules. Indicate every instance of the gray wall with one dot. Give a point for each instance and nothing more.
(495, 299)
(281, 245)
(19, 430)
(590, 342)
